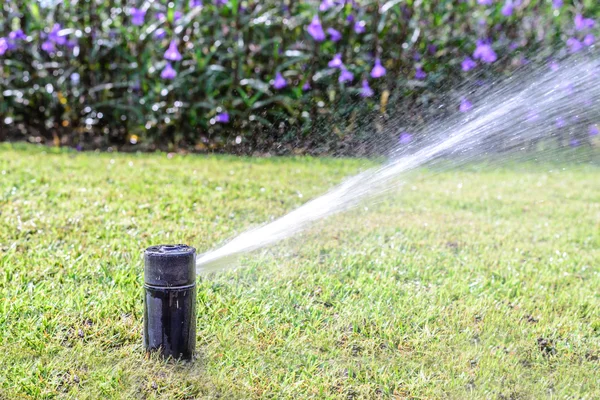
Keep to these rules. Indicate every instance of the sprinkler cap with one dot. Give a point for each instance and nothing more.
(170, 265)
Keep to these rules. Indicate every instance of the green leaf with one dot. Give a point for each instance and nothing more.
(387, 6)
(259, 85)
(34, 9)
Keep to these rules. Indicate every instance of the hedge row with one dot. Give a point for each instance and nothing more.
(230, 74)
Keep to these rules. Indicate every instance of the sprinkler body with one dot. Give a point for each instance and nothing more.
(170, 300)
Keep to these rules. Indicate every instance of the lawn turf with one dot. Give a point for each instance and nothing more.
(471, 283)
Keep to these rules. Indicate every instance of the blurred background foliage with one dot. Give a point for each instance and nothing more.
(256, 76)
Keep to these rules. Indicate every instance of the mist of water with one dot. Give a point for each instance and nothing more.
(557, 106)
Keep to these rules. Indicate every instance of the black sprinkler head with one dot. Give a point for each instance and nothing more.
(170, 300)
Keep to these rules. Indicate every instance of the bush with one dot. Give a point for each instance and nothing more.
(261, 74)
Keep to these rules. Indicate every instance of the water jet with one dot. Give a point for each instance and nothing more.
(515, 114)
(170, 300)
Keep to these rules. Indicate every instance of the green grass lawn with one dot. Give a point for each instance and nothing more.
(473, 283)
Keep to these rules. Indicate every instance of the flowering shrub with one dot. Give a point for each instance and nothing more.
(261, 73)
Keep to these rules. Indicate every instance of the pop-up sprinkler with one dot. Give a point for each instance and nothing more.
(170, 300)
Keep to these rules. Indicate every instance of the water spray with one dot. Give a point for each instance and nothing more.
(526, 107)
(170, 300)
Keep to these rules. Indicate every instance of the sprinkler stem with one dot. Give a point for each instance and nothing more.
(170, 300)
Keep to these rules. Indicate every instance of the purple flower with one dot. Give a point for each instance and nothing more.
(55, 35)
(3, 46)
(306, 87)
(71, 44)
(360, 27)
(557, 3)
(574, 142)
(279, 82)
(315, 29)
(11, 44)
(579, 24)
(405, 138)
(222, 3)
(137, 16)
(417, 56)
(484, 52)
(485, 2)
(574, 45)
(222, 118)
(420, 74)
(583, 23)
(336, 61)
(168, 72)
(195, 3)
(431, 48)
(465, 105)
(334, 35)
(345, 75)
(172, 53)
(508, 8)
(560, 122)
(366, 90)
(48, 46)
(160, 34)
(17, 35)
(326, 5)
(553, 66)
(593, 130)
(378, 70)
(468, 64)
(350, 18)
(589, 39)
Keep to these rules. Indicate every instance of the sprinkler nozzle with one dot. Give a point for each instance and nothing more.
(170, 300)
